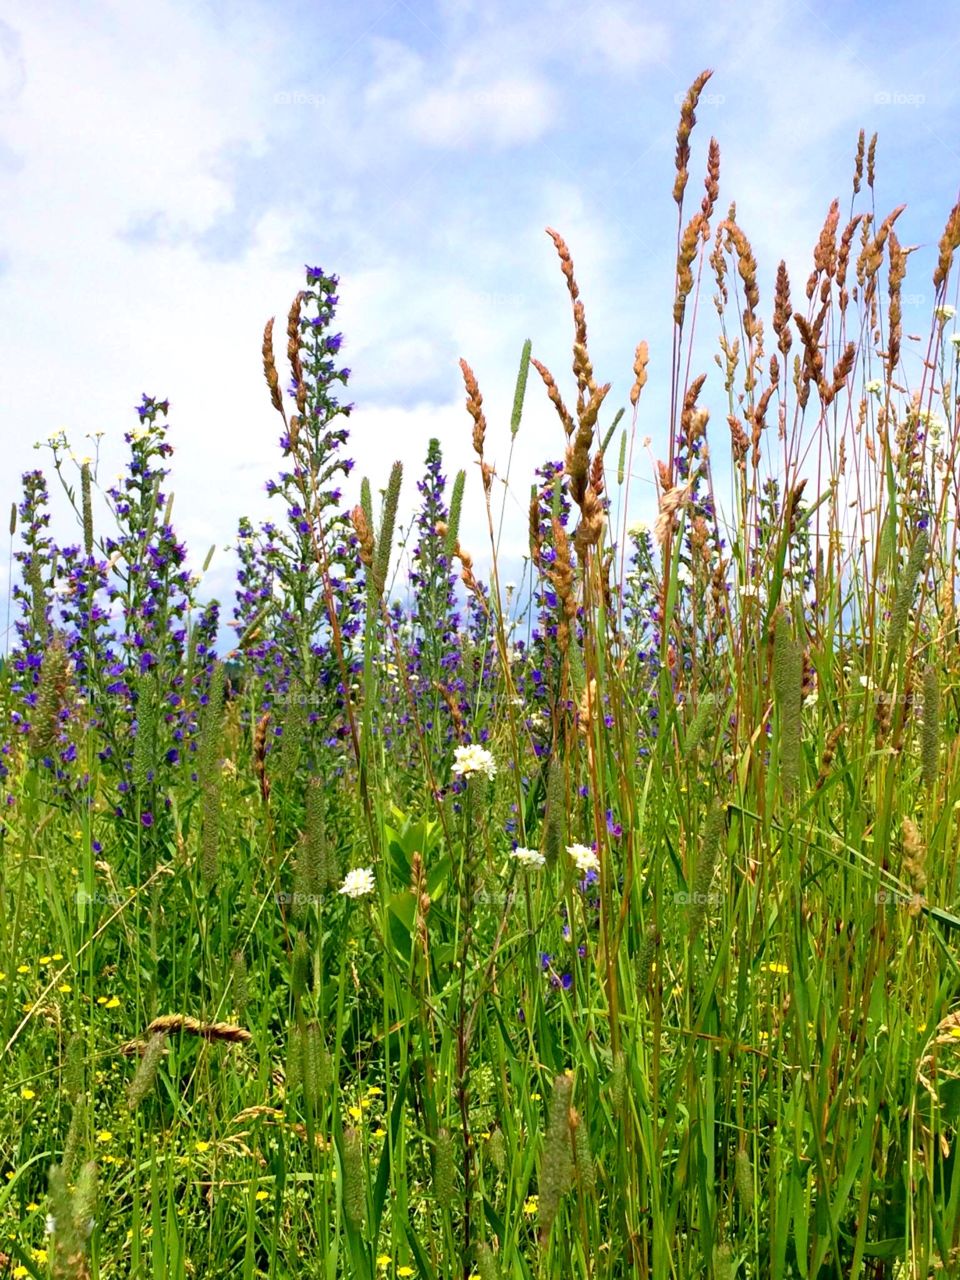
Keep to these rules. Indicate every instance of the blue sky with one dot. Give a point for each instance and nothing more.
(167, 169)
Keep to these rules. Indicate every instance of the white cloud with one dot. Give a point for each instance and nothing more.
(623, 43)
(511, 110)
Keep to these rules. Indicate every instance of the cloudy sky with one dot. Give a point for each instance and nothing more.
(167, 169)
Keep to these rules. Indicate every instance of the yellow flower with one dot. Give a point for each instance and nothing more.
(774, 966)
(3, 977)
(101, 999)
(45, 959)
(113, 1003)
(262, 1195)
(535, 1097)
(32, 1207)
(27, 1093)
(384, 1260)
(23, 968)
(201, 1147)
(355, 1112)
(382, 1133)
(104, 1136)
(405, 1271)
(65, 987)
(19, 1271)
(531, 1205)
(56, 956)
(374, 1092)
(40, 1255)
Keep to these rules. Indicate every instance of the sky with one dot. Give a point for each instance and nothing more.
(168, 169)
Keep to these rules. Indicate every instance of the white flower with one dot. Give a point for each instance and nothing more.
(683, 574)
(748, 590)
(50, 1226)
(945, 312)
(585, 858)
(528, 857)
(473, 759)
(358, 883)
(955, 339)
(874, 385)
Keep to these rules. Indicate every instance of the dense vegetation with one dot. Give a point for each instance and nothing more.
(599, 924)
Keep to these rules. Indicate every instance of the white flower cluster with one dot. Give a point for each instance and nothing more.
(473, 759)
(358, 883)
(528, 857)
(585, 858)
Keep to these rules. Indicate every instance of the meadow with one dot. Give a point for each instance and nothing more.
(600, 924)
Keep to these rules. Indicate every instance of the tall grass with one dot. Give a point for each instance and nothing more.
(603, 924)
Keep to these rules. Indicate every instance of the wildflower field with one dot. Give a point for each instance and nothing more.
(605, 923)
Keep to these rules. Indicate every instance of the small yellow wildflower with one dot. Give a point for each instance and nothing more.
(405, 1271)
(384, 1260)
(45, 959)
(27, 1093)
(201, 1147)
(19, 1271)
(23, 968)
(382, 1133)
(531, 1205)
(262, 1195)
(535, 1097)
(104, 1136)
(56, 956)
(355, 1112)
(3, 977)
(113, 1003)
(774, 966)
(40, 1255)
(101, 999)
(32, 1207)
(374, 1091)
(65, 987)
